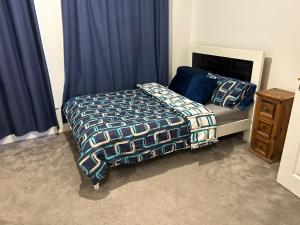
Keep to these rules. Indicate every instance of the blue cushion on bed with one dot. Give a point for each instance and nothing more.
(248, 98)
(180, 83)
(183, 77)
(201, 89)
(232, 92)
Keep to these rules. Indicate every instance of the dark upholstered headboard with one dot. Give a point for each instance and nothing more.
(228, 67)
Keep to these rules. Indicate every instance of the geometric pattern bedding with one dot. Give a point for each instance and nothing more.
(130, 126)
(230, 92)
(202, 120)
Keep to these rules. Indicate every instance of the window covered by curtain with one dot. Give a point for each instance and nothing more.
(26, 102)
(114, 44)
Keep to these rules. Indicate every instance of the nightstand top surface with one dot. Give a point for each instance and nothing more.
(277, 94)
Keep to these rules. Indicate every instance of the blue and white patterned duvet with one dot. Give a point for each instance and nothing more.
(130, 126)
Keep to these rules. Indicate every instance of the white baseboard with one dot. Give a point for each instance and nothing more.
(34, 134)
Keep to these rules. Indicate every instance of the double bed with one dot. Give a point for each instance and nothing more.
(131, 126)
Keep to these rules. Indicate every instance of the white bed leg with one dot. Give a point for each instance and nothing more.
(247, 136)
(96, 187)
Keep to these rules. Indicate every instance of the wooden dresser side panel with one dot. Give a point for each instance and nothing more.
(286, 108)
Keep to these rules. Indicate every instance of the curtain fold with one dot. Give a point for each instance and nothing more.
(114, 44)
(26, 102)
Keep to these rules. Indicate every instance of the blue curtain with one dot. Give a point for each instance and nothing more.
(26, 102)
(114, 44)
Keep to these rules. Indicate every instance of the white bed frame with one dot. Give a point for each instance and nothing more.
(257, 57)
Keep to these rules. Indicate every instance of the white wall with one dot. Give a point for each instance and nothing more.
(180, 33)
(50, 23)
(270, 25)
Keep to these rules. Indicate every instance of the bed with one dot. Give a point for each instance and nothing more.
(130, 126)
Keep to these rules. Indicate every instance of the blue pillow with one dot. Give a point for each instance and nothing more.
(248, 98)
(180, 83)
(182, 79)
(201, 89)
(219, 78)
(232, 92)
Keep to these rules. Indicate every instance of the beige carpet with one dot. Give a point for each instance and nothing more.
(222, 184)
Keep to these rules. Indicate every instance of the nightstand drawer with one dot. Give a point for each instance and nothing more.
(260, 146)
(267, 108)
(264, 129)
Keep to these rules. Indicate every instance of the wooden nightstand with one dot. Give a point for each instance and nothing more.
(271, 119)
